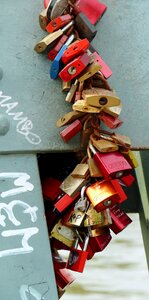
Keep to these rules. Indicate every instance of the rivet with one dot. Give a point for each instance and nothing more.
(4, 124)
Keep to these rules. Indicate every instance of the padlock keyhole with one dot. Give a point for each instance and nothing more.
(103, 101)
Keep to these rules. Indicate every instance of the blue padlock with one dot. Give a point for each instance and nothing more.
(57, 63)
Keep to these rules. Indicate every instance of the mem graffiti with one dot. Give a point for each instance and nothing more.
(21, 184)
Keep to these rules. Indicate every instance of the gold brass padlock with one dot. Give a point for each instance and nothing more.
(66, 86)
(121, 140)
(81, 105)
(89, 71)
(43, 20)
(63, 234)
(97, 219)
(94, 170)
(81, 171)
(69, 118)
(103, 145)
(72, 185)
(100, 97)
(72, 92)
(113, 111)
(129, 155)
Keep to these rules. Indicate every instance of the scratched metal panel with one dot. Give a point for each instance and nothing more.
(123, 42)
(25, 257)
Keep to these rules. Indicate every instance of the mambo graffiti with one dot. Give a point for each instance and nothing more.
(24, 125)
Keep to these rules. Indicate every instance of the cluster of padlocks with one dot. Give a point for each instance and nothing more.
(84, 208)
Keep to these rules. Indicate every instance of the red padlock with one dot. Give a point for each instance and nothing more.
(53, 52)
(112, 165)
(77, 258)
(93, 10)
(58, 23)
(105, 70)
(128, 180)
(63, 202)
(74, 50)
(110, 121)
(71, 130)
(58, 261)
(120, 219)
(58, 244)
(75, 67)
(99, 239)
(63, 278)
(50, 188)
(119, 189)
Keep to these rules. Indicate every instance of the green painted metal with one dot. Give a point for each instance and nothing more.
(143, 207)
(122, 41)
(25, 255)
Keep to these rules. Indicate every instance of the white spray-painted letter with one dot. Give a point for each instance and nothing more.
(26, 233)
(8, 208)
(25, 289)
(21, 182)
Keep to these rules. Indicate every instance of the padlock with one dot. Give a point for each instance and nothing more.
(64, 234)
(82, 106)
(113, 110)
(121, 140)
(71, 130)
(97, 219)
(76, 215)
(43, 20)
(58, 261)
(89, 71)
(127, 180)
(112, 165)
(98, 81)
(75, 67)
(72, 185)
(49, 6)
(99, 239)
(76, 49)
(53, 52)
(69, 118)
(102, 195)
(59, 8)
(63, 202)
(105, 70)
(66, 86)
(57, 63)
(58, 23)
(120, 219)
(81, 171)
(58, 245)
(63, 278)
(93, 10)
(50, 38)
(77, 258)
(94, 170)
(100, 97)
(71, 93)
(60, 292)
(87, 130)
(110, 121)
(51, 188)
(103, 145)
(85, 27)
(129, 155)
